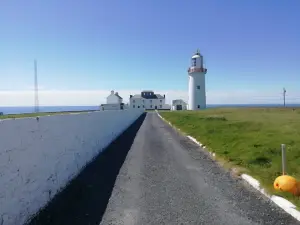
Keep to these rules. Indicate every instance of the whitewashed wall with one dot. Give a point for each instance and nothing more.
(38, 158)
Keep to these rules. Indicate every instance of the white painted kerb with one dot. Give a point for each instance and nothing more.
(286, 205)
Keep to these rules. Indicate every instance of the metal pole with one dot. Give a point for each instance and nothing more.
(36, 94)
(283, 155)
(284, 92)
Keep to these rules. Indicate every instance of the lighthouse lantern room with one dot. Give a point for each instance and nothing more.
(197, 93)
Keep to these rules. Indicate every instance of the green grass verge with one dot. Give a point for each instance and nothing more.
(247, 138)
(24, 115)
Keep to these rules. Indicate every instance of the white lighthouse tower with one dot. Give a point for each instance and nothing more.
(197, 94)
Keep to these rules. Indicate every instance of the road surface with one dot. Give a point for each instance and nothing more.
(167, 179)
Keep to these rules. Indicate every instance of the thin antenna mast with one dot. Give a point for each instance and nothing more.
(284, 92)
(36, 93)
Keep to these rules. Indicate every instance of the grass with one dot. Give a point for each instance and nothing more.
(24, 115)
(247, 138)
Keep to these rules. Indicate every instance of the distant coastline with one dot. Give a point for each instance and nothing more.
(30, 109)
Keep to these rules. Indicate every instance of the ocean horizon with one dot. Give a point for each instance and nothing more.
(30, 109)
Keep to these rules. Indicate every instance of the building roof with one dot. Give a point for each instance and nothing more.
(154, 96)
(148, 91)
(197, 54)
(116, 94)
(178, 101)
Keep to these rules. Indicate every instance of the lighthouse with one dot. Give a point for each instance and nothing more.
(197, 94)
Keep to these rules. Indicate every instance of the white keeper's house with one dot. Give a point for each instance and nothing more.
(148, 100)
(113, 102)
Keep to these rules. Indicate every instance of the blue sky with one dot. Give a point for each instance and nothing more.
(251, 48)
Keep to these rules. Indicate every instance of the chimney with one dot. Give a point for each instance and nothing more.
(116, 93)
(164, 96)
(112, 92)
(130, 96)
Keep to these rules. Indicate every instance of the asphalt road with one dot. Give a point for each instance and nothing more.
(167, 179)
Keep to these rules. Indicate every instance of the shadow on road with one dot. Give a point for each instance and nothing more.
(85, 199)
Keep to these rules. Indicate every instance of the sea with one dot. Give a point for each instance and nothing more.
(29, 109)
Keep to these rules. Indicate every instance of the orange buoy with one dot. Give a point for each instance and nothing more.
(286, 183)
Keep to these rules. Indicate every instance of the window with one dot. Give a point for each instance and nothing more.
(194, 62)
(138, 106)
(143, 106)
(133, 106)
(133, 101)
(150, 106)
(198, 87)
(160, 106)
(151, 101)
(143, 101)
(198, 106)
(160, 100)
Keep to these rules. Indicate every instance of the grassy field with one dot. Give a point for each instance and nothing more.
(36, 114)
(247, 138)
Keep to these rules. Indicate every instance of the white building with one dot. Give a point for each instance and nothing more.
(179, 104)
(113, 102)
(197, 93)
(148, 100)
(114, 98)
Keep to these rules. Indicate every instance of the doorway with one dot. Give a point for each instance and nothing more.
(178, 107)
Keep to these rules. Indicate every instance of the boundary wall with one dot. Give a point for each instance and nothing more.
(38, 157)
